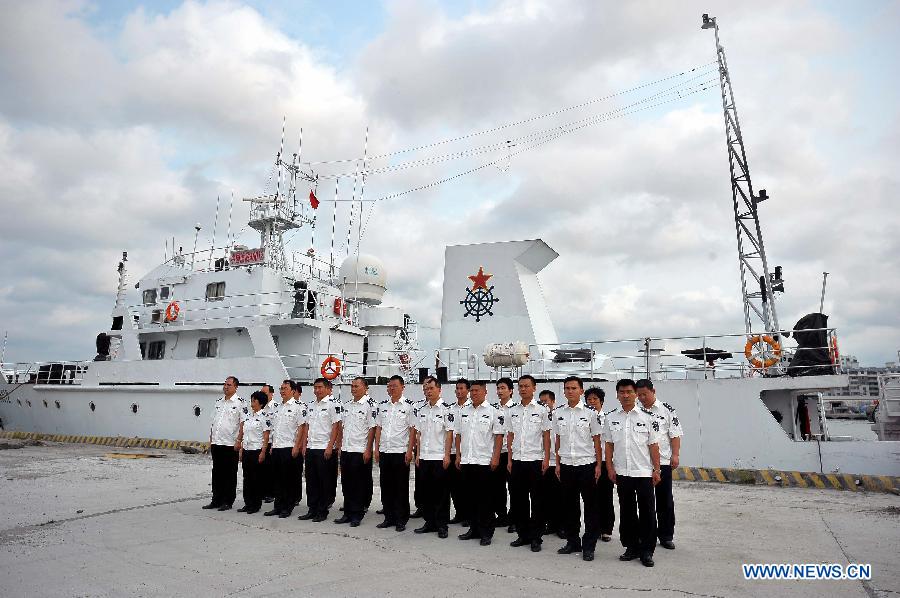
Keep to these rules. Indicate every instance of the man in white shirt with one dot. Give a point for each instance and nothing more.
(632, 459)
(578, 462)
(323, 426)
(479, 434)
(457, 485)
(551, 489)
(670, 434)
(267, 470)
(288, 430)
(254, 439)
(355, 443)
(224, 445)
(528, 441)
(505, 401)
(594, 397)
(394, 442)
(434, 435)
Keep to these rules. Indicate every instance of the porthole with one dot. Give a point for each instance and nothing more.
(134, 407)
(93, 407)
(58, 406)
(196, 410)
(45, 403)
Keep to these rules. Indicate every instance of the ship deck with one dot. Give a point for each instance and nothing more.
(77, 522)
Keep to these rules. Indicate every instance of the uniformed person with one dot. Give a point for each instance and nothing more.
(254, 444)
(480, 432)
(393, 451)
(323, 427)
(552, 491)
(504, 402)
(224, 445)
(632, 458)
(594, 398)
(434, 435)
(417, 482)
(528, 440)
(457, 487)
(355, 442)
(288, 430)
(268, 470)
(578, 464)
(670, 434)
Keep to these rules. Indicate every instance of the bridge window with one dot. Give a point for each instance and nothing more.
(208, 347)
(156, 350)
(156, 316)
(163, 293)
(215, 291)
(150, 297)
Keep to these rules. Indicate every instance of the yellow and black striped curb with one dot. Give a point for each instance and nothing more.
(789, 479)
(120, 441)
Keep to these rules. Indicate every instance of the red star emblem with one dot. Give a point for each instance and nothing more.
(479, 281)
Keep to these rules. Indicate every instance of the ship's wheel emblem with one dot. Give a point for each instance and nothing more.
(480, 298)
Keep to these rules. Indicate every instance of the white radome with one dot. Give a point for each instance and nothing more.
(364, 281)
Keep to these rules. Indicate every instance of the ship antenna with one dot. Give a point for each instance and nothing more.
(334, 222)
(230, 209)
(752, 260)
(278, 159)
(212, 248)
(362, 192)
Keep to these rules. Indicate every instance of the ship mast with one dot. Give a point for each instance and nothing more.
(757, 283)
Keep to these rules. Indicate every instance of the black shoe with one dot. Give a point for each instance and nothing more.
(242, 509)
(456, 520)
(354, 524)
(647, 560)
(384, 524)
(379, 512)
(466, 523)
(535, 546)
(417, 514)
(469, 535)
(569, 548)
(306, 516)
(251, 511)
(224, 508)
(284, 514)
(667, 544)
(401, 527)
(342, 519)
(268, 499)
(425, 529)
(519, 542)
(605, 537)
(211, 505)
(442, 533)
(485, 542)
(319, 518)
(587, 555)
(511, 529)
(561, 534)
(271, 513)
(629, 555)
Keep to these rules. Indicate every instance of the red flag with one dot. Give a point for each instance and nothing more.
(313, 200)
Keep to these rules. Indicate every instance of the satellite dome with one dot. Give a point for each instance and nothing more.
(363, 279)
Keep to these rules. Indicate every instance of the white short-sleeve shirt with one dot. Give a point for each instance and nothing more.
(255, 426)
(321, 416)
(477, 428)
(395, 420)
(576, 427)
(432, 423)
(285, 423)
(528, 424)
(226, 421)
(631, 433)
(667, 426)
(358, 418)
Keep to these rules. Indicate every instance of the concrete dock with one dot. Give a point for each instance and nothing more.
(78, 522)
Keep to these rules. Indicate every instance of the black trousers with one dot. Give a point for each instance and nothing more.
(288, 485)
(551, 499)
(356, 484)
(605, 502)
(394, 487)
(417, 487)
(253, 480)
(526, 499)
(500, 477)
(321, 481)
(477, 479)
(224, 474)
(637, 514)
(458, 493)
(665, 505)
(268, 475)
(578, 484)
(434, 493)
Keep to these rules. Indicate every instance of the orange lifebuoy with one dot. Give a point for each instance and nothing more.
(172, 311)
(770, 361)
(331, 367)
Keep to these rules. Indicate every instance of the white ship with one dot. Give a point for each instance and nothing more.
(263, 314)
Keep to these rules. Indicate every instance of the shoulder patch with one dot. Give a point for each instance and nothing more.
(245, 410)
(500, 419)
(669, 407)
(655, 426)
(675, 420)
(269, 423)
(449, 418)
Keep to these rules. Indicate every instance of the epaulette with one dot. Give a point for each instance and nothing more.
(611, 411)
(669, 407)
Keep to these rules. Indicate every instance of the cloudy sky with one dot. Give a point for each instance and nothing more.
(121, 122)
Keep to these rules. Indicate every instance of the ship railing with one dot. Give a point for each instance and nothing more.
(300, 265)
(709, 356)
(227, 310)
(377, 365)
(44, 372)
